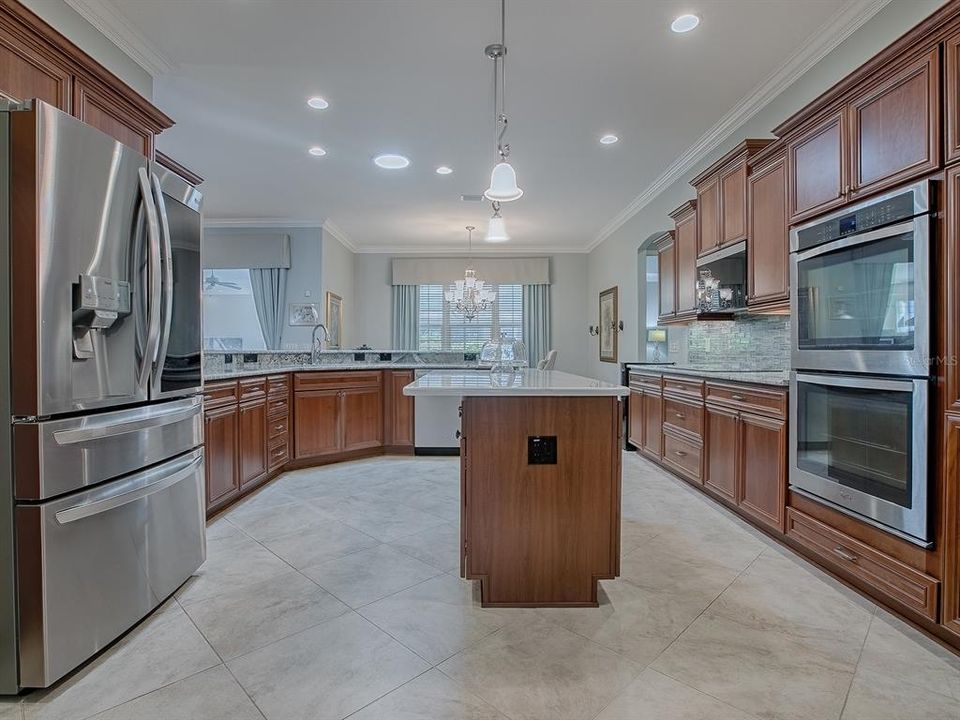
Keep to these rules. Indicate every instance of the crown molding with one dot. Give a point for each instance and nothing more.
(838, 28)
(341, 236)
(458, 251)
(260, 223)
(105, 18)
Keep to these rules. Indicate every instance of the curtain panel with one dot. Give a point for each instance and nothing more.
(270, 297)
(406, 312)
(536, 322)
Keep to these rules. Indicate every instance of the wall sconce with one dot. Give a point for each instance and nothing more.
(594, 330)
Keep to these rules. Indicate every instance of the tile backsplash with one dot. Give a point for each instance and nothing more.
(757, 342)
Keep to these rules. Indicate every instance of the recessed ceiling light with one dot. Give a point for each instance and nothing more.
(318, 103)
(444, 170)
(684, 23)
(608, 139)
(317, 151)
(391, 161)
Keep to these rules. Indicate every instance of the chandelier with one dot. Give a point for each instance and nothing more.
(470, 296)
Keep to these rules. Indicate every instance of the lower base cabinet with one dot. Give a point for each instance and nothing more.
(253, 442)
(316, 422)
(221, 435)
(362, 420)
(722, 437)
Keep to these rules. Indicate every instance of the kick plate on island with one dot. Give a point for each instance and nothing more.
(540, 483)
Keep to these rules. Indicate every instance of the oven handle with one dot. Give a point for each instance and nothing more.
(853, 240)
(869, 383)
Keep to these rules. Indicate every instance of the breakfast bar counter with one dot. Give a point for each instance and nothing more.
(540, 483)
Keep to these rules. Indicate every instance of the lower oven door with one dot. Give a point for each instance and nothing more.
(860, 444)
(91, 565)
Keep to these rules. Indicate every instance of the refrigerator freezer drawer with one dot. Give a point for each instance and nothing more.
(93, 564)
(59, 456)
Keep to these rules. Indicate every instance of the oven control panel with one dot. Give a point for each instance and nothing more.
(887, 211)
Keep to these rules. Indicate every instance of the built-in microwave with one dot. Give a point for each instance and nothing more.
(860, 287)
(859, 443)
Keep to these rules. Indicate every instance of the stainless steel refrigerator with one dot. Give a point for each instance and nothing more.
(101, 458)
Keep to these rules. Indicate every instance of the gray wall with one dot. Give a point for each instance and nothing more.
(74, 27)
(338, 277)
(613, 262)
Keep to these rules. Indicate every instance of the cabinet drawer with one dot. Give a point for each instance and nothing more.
(278, 385)
(643, 381)
(683, 455)
(885, 574)
(757, 400)
(278, 453)
(278, 426)
(220, 393)
(321, 380)
(683, 387)
(253, 388)
(278, 407)
(684, 416)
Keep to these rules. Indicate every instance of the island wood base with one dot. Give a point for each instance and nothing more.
(540, 535)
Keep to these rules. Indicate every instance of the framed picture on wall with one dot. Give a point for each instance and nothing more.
(334, 320)
(304, 314)
(609, 322)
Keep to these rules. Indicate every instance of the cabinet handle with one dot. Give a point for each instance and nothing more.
(680, 415)
(679, 453)
(737, 397)
(845, 554)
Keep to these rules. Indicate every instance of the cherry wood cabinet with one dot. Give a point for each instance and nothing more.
(36, 61)
(398, 413)
(685, 258)
(635, 419)
(722, 198)
(221, 442)
(950, 618)
(652, 418)
(817, 168)
(667, 274)
(253, 442)
(722, 439)
(951, 95)
(317, 422)
(362, 418)
(337, 412)
(768, 236)
(762, 464)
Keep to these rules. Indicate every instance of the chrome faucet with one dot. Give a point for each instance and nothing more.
(314, 347)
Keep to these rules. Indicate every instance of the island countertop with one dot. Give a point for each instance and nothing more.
(525, 382)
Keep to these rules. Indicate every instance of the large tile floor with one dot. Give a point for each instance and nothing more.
(333, 593)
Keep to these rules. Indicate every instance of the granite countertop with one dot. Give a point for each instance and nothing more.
(525, 382)
(274, 369)
(780, 378)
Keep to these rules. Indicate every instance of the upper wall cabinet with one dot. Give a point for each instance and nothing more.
(768, 242)
(667, 267)
(885, 135)
(951, 94)
(38, 62)
(685, 257)
(722, 198)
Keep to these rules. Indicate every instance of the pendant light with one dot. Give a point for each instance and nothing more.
(470, 296)
(503, 178)
(497, 228)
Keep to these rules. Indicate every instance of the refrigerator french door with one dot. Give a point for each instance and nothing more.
(101, 464)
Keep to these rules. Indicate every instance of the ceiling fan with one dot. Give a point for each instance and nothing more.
(212, 281)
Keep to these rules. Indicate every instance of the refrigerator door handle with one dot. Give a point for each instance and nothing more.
(107, 430)
(167, 283)
(154, 271)
(135, 490)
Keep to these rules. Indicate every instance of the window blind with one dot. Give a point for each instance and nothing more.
(441, 327)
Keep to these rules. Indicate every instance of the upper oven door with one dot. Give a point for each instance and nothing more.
(177, 370)
(862, 302)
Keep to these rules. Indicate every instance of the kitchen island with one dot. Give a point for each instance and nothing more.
(540, 483)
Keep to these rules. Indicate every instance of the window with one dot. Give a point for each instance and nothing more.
(441, 327)
(230, 319)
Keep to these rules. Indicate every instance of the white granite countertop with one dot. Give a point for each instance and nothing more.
(273, 370)
(468, 383)
(779, 378)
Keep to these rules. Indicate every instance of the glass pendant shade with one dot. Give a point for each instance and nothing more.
(503, 184)
(496, 230)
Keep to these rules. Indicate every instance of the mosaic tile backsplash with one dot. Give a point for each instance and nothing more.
(754, 342)
(218, 362)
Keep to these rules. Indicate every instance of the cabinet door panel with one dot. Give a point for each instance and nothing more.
(951, 576)
(763, 450)
(951, 94)
(316, 423)
(950, 292)
(253, 442)
(721, 439)
(653, 425)
(667, 269)
(362, 418)
(635, 420)
(896, 127)
(26, 74)
(95, 108)
(768, 242)
(399, 408)
(220, 435)
(817, 169)
(708, 216)
(686, 246)
(733, 205)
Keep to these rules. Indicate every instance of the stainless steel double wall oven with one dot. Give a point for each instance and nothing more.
(861, 348)
(101, 460)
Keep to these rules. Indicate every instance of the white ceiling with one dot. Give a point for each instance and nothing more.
(410, 76)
